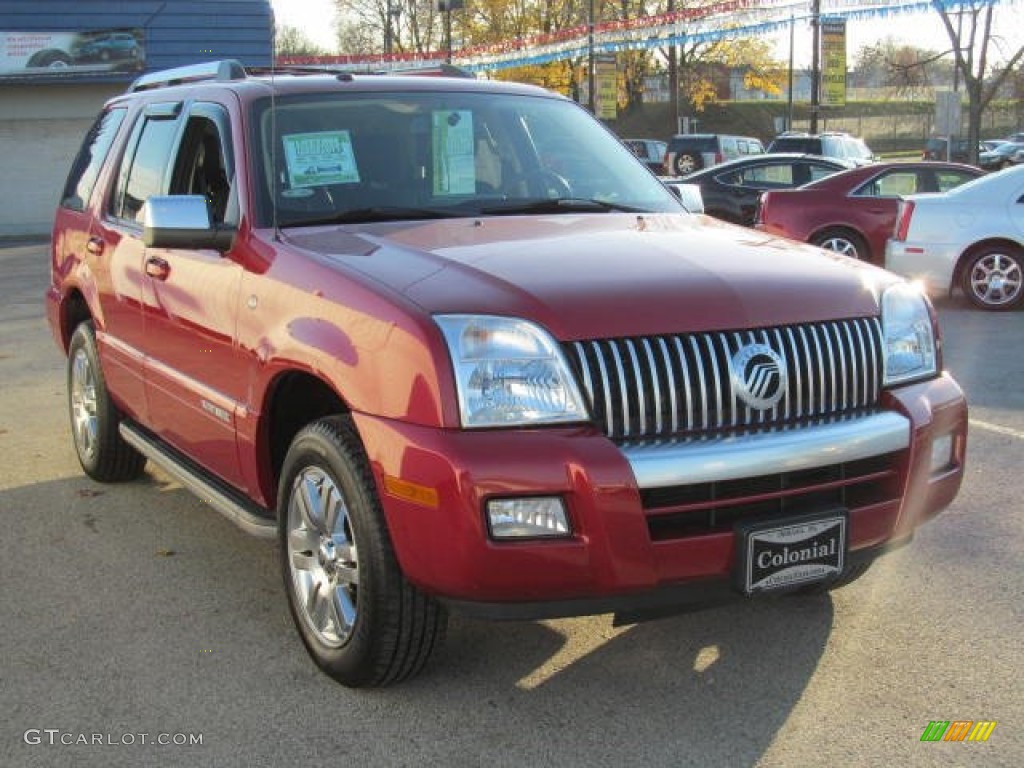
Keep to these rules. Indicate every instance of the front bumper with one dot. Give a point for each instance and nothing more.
(634, 544)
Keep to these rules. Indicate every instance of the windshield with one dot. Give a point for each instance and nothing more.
(358, 157)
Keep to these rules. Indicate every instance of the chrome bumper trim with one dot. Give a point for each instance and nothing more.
(664, 464)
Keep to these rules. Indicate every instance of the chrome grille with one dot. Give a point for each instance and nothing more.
(657, 386)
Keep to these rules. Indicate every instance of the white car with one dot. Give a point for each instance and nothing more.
(971, 238)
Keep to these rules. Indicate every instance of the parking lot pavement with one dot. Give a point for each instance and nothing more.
(132, 615)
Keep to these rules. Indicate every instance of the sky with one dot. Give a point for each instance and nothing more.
(315, 18)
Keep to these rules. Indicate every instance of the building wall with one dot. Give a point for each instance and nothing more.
(43, 119)
(40, 133)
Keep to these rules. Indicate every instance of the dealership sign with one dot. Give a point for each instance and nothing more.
(60, 54)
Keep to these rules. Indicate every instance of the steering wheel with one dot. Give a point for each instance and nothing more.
(546, 182)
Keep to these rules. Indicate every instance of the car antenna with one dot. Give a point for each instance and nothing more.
(273, 132)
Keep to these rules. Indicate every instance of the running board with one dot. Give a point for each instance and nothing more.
(212, 491)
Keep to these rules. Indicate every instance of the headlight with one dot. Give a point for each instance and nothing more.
(509, 372)
(907, 335)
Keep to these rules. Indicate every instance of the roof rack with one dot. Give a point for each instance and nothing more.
(225, 70)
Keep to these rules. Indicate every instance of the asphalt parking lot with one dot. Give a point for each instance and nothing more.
(141, 629)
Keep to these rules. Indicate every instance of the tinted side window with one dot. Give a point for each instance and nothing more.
(86, 168)
(818, 171)
(145, 175)
(947, 180)
(765, 176)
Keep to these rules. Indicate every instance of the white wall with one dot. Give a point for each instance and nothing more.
(41, 128)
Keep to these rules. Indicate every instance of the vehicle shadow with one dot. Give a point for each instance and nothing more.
(136, 609)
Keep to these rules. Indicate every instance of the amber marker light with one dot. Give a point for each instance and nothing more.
(417, 494)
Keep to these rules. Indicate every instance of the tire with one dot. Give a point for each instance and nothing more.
(102, 452)
(843, 241)
(991, 277)
(369, 627)
(688, 162)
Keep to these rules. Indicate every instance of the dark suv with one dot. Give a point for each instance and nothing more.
(690, 152)
(393, 322)
(839, 145)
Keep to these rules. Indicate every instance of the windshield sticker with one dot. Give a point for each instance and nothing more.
(454, 163)
(318, 159)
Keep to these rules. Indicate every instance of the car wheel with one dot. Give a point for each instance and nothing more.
(843, 241)
(687, 162)
(360, 620)
(992, 277)
(102, 452)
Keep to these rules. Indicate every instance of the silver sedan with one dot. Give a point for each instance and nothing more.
(971, 238)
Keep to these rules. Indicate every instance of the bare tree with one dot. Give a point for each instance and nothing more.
(290, 41)
(906, 70)
(969, 27)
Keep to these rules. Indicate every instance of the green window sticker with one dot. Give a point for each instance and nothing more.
(319, 159)
(454, 160)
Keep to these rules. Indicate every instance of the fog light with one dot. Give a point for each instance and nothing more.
(527, 518)
(942, 453)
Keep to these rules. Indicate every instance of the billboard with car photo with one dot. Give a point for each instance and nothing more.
(58, 54)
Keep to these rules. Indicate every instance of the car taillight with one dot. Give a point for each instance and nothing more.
(719, 158)
(903, 220)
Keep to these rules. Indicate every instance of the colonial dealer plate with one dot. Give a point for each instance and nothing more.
(791, 552)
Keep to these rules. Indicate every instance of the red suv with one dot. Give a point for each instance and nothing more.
(452, 367)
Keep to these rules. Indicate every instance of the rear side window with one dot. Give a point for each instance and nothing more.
(86, 168)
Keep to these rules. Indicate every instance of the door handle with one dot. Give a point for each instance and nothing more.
(95, 246)
(157, 268)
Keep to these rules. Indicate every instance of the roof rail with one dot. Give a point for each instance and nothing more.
(227, 69)
(429, 70)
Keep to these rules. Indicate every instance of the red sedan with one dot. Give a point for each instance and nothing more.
(853, 212)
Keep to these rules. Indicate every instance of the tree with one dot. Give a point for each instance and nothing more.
(290, 41)
(970, 30)
(906, 70)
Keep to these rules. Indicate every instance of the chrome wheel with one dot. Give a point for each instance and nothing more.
(993, 279)
(84, 412)
(840, 245)
(95, 419)
(360, 620)
(322, 557)
(842, 242)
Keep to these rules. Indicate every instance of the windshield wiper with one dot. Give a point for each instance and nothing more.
(558, 205)
(376, 213)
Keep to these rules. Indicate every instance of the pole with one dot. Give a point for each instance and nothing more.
(448, 31)
(673, 79)
(789, 101)
(591, 79)
(815, 63)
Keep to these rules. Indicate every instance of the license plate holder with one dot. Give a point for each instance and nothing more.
(790, 552)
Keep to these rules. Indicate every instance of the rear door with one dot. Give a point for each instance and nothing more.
(118, 236)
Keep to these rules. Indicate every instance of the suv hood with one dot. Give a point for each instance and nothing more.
(605, 275)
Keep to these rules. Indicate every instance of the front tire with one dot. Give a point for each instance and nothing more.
(102, 452)
(991, 279)
(360, 620)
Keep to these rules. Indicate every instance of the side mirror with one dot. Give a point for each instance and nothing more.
(183, 221)
(689, 195)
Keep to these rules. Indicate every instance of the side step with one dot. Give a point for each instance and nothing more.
(229, 503)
